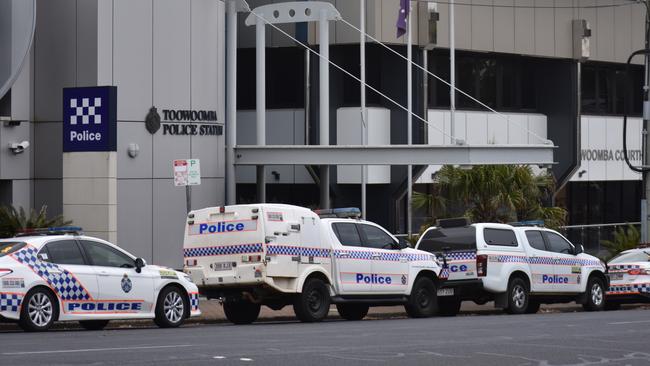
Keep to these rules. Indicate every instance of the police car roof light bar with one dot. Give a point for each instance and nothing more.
(75, 230)
(342, 213)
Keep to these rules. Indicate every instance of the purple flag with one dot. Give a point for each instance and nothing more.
(402, 17)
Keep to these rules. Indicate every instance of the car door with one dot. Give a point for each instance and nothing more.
(567, 269)
(353, 262)
(62, 264)
(542, 262)
(121, 287)
(390, 267)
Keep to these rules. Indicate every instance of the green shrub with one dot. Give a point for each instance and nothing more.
(13, 221)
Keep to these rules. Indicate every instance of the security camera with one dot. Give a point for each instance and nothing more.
(18, 147)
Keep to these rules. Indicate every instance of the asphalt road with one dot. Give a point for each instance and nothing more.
(579, 338)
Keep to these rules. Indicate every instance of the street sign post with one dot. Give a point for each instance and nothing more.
(187, 172)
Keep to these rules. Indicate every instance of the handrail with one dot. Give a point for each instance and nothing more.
(599, 225)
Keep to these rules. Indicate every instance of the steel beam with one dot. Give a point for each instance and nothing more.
(395, 155)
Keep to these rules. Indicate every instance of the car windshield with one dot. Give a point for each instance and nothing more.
(9, 247)
(635, 256)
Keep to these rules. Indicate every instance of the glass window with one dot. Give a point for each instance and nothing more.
(105, 256)
(347, 234)
(535, 239)
(10, 247)
(63, 252)
(633, 256)
(502, 237)
(376, 237)
(558, 244)
(455, 238)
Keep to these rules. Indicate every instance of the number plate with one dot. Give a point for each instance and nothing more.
(446, 292)
(222, 266)
(615, 276)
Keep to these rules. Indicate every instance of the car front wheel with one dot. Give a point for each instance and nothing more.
(595, 295)
(423, 301)
(171, 308)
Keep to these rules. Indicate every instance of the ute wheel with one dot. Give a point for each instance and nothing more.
(171, 308)
(93, 324)
(533, 307)
(352, 311)
(423, 301)
(595, 295)
(448, 305)
(518, 296)
(38, 311)
(241, 312)
(313, 303)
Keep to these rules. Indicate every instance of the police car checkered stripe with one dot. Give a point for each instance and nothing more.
(460, 256)
(223, 250)
(10, 302)
(194, 302)
(444, 273)
(295, 251)
(63, 282)
(383, 256)
(637, 287)
(543, 260)
(624, 266)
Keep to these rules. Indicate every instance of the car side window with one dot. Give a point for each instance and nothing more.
(558, 244)
(535, 239)
(62, 252)
(375, 237)
(105, 256)
(500, 237)
(347, 234)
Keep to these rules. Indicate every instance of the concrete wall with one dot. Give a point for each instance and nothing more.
(534, 27)
(163, 53)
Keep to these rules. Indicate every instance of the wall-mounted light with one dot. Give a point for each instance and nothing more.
(18, 147)
(275, 175)
(133, 150)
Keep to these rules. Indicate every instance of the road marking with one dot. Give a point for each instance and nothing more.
(93, 350)
(219, 357)
(631, 322)
(245, 359)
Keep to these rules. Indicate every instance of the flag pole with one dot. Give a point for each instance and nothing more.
(364, 112)
(409, 96)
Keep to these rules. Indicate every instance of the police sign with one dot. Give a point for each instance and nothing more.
(90, 119)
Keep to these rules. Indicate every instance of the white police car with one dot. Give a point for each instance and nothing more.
(629, 274)
(58, 274)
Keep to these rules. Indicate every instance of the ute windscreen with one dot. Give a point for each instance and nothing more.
(456, 238)
(10, 247)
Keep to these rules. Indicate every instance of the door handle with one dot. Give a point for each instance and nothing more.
(344, 255)
(104, 273)
(376, 256)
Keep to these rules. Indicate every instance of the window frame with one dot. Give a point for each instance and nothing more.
(517, 244)
(338, 237)
(541, 234)
(550, 248)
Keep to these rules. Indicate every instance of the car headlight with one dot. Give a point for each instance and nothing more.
(188, 278)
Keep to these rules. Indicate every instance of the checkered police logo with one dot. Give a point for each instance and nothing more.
(86, 111)
(127, 285)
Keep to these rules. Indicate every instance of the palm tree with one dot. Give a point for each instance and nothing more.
(13, 221)
(492, 193)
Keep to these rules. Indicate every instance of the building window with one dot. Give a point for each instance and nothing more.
(604, 89)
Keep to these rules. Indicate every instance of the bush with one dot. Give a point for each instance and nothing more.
(13, 221)
(624, 239)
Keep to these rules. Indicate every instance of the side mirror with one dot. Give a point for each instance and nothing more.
(402, 243)
(579, 249)
(139, 263)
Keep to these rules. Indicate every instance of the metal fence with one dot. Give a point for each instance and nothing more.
(591, 236)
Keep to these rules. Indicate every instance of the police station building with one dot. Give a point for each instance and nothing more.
(114, 90)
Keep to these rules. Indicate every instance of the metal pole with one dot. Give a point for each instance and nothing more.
(260, 69)
(425, 94)
(645, 227)
(452, 72)
(307, 93)
(324, 101)
(364, 111)
(188, 198)
(231, 108)
(409, 123)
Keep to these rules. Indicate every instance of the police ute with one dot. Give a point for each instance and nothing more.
(516, 266)
(277, 255)
(629, 274)
(58, 274)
